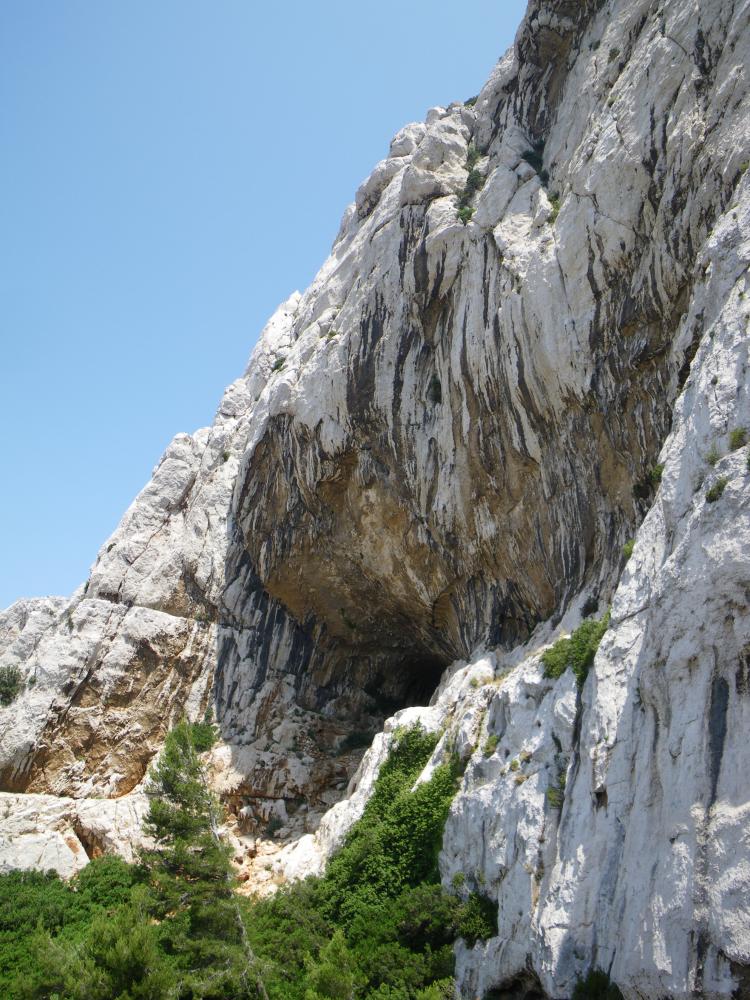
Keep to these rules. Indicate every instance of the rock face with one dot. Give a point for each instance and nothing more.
(435, 455)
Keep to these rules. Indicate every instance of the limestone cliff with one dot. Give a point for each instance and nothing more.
(428, 470)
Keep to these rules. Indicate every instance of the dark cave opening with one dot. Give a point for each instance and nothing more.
(409, 682)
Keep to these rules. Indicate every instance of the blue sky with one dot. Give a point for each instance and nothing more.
(171, 170)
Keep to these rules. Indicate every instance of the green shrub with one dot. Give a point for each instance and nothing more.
(474, 183)
(476, 919)
(490, 745)
(613, 54)
(380, 899)
(717, 489)
(471, 101)
(596, 986)
(555, 797)
(556, 792)
(737, 438)
(377, 923)
(655, 473)
(577, 651)
(204, 734)
(11, 684)
(627, 549)
(278, 363)
(35, 904)
(713, 455)
(554, 200)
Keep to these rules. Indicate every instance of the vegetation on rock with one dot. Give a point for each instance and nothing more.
(10, 684)
(377, 924)
(577, 651)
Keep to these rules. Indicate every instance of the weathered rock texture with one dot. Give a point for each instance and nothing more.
(440, 448)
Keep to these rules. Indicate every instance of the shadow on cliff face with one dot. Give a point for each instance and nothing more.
(297, 703)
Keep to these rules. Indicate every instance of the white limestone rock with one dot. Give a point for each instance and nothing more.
(435, 456)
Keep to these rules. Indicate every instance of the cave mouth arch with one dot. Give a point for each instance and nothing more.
(410, 682)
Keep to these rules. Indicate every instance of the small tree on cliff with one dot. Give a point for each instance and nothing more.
(191, 877)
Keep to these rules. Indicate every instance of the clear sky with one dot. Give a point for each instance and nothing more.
(170, 171)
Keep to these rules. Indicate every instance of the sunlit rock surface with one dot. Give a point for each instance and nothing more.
(434, 459)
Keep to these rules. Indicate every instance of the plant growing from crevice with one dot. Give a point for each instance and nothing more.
(713, 455)
(434, 390)
(490, 745)
(576, 651)
(278, 363)
(715, 491)
(476, 919)
(655, 473)
(473, 156)
(11, 684)
(471, 101)
(627, 549)
(554, 200)
(556, 792)
(474, 183)
(737, 438)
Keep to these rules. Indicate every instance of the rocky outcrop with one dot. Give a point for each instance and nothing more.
(435, 457)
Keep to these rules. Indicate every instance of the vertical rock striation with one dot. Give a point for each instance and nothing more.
(436, 454)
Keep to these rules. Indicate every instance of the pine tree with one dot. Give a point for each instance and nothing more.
(191, 876)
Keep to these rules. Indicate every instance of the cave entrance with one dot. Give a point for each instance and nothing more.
(411, 682)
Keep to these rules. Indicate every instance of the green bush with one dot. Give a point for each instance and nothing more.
(278, 364)
(490, 745)
(33, 904)
(377, 924)
(471, 101)
(556, 792)
(476, 919)
(655, 473)
(379, 908)
(713, 455)
(474, 183)
(627, 549)
(554, 200)
(204, 734)
(11, 684)
(577, 651)
(737, 438)
(715, 491)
